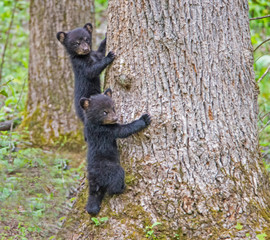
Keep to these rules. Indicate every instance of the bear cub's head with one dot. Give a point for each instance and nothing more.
(77, 41)
(99, 109)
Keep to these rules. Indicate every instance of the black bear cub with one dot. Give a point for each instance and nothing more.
(87, 64)
(105, 173)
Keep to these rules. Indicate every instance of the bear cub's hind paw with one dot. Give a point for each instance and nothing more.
(92, 209)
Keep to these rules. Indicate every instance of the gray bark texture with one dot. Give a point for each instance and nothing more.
(197, 169)
(50, 108)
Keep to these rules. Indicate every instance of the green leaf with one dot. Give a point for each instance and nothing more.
(4, 93)
(261, 236)
(62, 218)
(238, 226)
(104, 219)
(155, 224)
(72, 199)
(11, 100)
(5, 193)
(38, 213)
(96, 221)
(20, 163)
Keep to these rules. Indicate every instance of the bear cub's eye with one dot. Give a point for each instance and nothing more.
(86, 39)
(105, 113)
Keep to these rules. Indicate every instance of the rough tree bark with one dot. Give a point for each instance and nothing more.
(197, 169)
(50, 111)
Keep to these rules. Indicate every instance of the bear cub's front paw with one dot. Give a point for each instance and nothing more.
(110, 56)
(146, 118)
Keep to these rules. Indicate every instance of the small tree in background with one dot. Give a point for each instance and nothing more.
(50, 111)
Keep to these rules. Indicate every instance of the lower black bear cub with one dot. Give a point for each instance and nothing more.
(105, 173)
(87, 64)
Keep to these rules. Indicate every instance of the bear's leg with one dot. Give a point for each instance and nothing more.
(95, 197)
(117, 181)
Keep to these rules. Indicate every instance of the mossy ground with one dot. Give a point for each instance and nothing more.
(37, 188)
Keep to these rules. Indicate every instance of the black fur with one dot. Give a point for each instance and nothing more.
(105, 173)
(87, 64)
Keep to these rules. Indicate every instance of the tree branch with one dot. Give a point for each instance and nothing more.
(262, 44)
(267, 16)
(265, 115)
(263, 127)
(6, 126)
(265, 73)
(258, 58)
(6, 83)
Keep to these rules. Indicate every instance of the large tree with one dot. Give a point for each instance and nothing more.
(197, 169)
(50, 110)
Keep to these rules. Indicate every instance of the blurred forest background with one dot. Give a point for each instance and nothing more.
(38, 184)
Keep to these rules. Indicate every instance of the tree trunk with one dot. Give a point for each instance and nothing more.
(197, 169)
(50, 108)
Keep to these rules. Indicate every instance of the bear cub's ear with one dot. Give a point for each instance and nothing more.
(88, 27)
(61, 36)
(85, 103)
(108, 92)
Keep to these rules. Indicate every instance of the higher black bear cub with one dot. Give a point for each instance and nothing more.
(87, 64)
(105, 173)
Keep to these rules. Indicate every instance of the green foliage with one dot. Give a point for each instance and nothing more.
(100, 6)
(99, 221)
(238, 226)
(150, 231)
(100, 11)
(261, 236)
(259, 9)
(34, 184)
(260, 31)
(34, 189)
(177, 236)
(14, 73)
